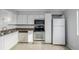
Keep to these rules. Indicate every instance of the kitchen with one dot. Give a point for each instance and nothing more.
(32, 26)
(39, 29)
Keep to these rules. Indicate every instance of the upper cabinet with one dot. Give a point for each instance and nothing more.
(1, 20)
(42, 17)
(7, 17)
(31, 18)
(22, 19)
(25, 19)
(28, 19)
(10, 19)
(19, 19)
(13, 19)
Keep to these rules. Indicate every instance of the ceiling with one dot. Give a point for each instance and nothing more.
(21, 10)
(36, 11)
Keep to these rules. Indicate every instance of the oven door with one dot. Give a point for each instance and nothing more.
(39, 28)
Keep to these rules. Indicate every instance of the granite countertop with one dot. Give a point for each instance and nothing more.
(5, 32)
(2, 33)
(27, 29)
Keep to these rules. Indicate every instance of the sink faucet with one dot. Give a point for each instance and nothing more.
(4, 28)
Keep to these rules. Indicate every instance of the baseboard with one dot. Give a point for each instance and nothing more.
(22, 42)
(58, 44)
(39, 40)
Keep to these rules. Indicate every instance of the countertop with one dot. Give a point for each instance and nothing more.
(5, 32)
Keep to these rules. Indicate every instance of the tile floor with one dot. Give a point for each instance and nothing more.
(38, 45)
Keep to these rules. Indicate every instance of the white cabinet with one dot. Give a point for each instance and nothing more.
(30, 36)
(19, 19)
(8, 41)
(22, 19)
(25, 19)
(31, 19)
(7, 17)
(1, 23)
(36, 16)
(48, 18)
(28, 19)
(11, 40)
(42, 17)
(13, 19)
(1, 43)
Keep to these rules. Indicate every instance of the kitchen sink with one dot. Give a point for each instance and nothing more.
(6, 32)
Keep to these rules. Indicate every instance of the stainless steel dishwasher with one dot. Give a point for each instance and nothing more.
(23, 36)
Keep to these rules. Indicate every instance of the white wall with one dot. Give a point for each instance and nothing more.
(71, 29)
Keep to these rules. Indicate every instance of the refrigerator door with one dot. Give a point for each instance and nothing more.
(59, 31)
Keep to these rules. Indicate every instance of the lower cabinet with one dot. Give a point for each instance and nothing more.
(8, 41)
(30, 36)
(1, 43)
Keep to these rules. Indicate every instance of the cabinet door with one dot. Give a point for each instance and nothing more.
(36, 16)
(20, 21)
(30, 19)
(13, 19)
(30, 36)
(1, 43)
(10, 40)
(7, 42)
(39, 17)
(25, 19)
(42, 17)
(48, 19)
(1, 22)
